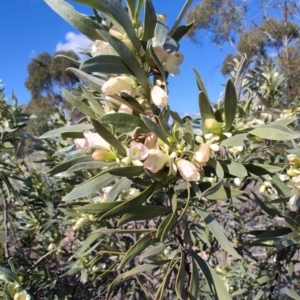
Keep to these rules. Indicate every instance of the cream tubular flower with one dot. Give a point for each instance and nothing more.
(22, 296)
(137, 151)
(159, 96)
(151, 141)
(201, 156)
(102, 48)
(294, 202)
(117, 84)
(156, 160)
(174, 60)
(188, 170)
(91, 140)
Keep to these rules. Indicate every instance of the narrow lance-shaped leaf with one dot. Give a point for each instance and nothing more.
(149, 21)
(90, 186)
(137, 248)
(109, 137)
(217, 231)
(130, 205)
(180, 278)
(83, 23)
(206, 111)
(230, 104)
(201, 85)
(108, 64)
(121, 185)
(77, 103)
(72, 128)
(95, 105)
(130, 171)
(114, 9)
(213, 280)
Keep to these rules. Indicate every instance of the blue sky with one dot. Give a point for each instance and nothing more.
(29, 27)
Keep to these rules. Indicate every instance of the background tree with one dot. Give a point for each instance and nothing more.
(265, 32)
(45, 74)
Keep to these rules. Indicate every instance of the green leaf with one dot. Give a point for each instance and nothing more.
(93, 82)
(109, 64)
(121, 185)
(202, 88)
(205, 111)
(137, 248)
(109, 137)
(224, 192)
(97, 208)
(181, 31)
(65, 165)
(153, 127)
(145, 212)
(217, 231)
(90, 186)
(290, 292)
(275, 132)
(230, 104)
(149, 21)
(95, 105)
(130, 171)
(73, 61)
(180, 278)
(213, 280)
(233, 168)
(129, 59)
(83, 23)
(114, 9)
(77, 103)
(90, 165)
(194, 285)
(152, 251)
(180, 16)
(10, 275)
(123, 123)
(122, 231)
(86, 244)
(131, 204)
(236, 140)
(72, 128)
(262, 169)
(132, 272)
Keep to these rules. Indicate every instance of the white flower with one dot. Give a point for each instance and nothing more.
(22, 296)
(156, 160)
(115, 85)
(159, 96)
(91, 140)
(294, 202)
(169, 61)
(188, 170)
(151, 141)
(102, 48)
(137, 151)
(201, 156)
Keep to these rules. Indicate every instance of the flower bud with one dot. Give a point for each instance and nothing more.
(103, 155)
(115, 85)
(292, 173)
(187, 170)
(202, 155)
(151, 141)
(213, 126)
(159, 96)
(156, 160)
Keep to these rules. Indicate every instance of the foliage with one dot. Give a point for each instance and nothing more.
(271, 36)
(45, 74)
(140, 203)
